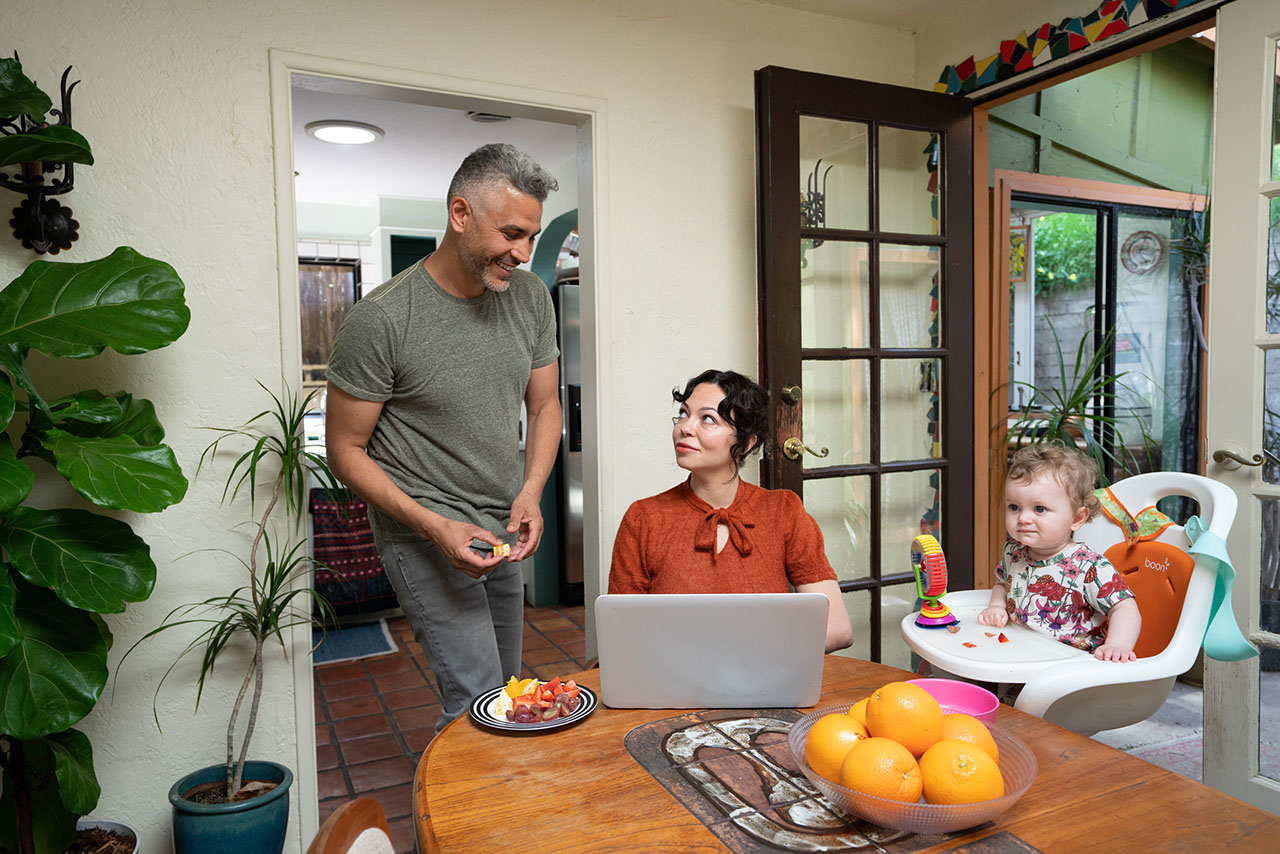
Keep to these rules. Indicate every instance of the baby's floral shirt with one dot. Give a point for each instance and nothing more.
(1066, 597)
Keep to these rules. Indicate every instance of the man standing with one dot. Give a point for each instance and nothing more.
(425, 383)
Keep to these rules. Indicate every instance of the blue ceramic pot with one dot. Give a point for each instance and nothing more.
(257, 825)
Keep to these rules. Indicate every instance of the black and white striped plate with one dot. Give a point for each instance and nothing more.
(482, 712)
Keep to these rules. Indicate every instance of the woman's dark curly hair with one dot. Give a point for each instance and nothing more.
(744, 408)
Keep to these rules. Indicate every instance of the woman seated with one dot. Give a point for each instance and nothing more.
(716, 533)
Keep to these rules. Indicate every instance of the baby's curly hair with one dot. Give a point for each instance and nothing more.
(1075, 472)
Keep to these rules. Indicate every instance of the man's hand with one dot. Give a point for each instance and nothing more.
(993, 616)
(526, 517)
(454, 541)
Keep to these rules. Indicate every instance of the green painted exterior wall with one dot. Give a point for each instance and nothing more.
(1146, 121)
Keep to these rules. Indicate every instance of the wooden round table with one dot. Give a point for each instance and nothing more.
(578, 789)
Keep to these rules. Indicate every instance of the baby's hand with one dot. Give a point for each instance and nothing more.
(993, 617)
(1112, 652)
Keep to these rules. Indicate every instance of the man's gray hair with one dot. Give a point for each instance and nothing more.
(501, 163)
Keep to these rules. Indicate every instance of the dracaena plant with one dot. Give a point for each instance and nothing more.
(275, 461)
(1070, 414)
(65, 567)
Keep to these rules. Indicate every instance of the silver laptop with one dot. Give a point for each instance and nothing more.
(711, 650)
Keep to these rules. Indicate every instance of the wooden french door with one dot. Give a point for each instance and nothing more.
(866, 328)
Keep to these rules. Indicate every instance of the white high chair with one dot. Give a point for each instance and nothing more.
(1070, 687)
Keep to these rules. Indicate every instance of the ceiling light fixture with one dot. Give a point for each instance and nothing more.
(487, 118)
(344, 132)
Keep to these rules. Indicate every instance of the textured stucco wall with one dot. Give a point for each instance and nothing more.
(176, 103)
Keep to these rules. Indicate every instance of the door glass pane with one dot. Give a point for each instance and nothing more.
(909, 173)
(841, 506)
(835, 409)
(1275, 117)
(909, 506)
(1157, 351)
(1271, 421)
(328, 290)
(1053, 304)
(1269, 717)
(1269, 614)
(1273, 266)
(1269, 584)
(834, 176)
(895, 603)
(858, 604)
(909, 423)
(909, 291)
(834, 294)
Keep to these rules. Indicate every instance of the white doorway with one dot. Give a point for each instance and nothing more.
(331, 211)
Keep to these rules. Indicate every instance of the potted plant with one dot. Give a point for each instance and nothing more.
(1070, 414)
(64, 568)
(243, 805)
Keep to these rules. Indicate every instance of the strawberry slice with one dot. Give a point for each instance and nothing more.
(1002, 638)
(970, 645)
(990, 634)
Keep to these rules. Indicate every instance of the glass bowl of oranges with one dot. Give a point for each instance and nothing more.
(909, 766)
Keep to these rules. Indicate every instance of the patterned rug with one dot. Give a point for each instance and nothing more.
(352, 643)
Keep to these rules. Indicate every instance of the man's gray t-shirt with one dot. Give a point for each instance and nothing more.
(451, 374)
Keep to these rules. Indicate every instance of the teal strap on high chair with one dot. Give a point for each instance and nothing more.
(1222, 639)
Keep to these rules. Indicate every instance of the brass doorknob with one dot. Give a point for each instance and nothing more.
(1221, 456)
(793, 448)
(1231, 459)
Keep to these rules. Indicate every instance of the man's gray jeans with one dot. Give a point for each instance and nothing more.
(471, 628)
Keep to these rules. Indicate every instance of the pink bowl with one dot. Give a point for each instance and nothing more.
(956, 696)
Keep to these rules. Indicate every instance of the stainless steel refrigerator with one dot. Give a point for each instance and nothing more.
(571, 551)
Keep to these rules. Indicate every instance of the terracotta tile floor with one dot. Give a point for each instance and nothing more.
(374, 717)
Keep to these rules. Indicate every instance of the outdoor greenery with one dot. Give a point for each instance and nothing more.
(65, 567)
(1065, 247)
(277, 572)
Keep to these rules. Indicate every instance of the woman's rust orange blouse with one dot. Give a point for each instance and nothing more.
(666, 544)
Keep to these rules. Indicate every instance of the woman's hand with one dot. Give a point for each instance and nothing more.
(993, 616)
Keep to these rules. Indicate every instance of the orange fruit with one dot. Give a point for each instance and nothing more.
(970, 729)
(858, 711)
(882, 768)
(827, 742)
(906, 713)
(956, 772)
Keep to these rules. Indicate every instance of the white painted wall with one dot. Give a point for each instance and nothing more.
(175, 101)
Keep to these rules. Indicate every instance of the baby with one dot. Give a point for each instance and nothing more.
(1045, 580)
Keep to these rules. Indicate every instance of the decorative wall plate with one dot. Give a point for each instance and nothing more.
(1142, 252)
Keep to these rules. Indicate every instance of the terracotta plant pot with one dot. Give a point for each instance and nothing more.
(257, 825)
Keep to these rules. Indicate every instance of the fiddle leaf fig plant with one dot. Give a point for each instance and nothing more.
(65, 567)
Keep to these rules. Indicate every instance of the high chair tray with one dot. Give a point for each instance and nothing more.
(1023, 653)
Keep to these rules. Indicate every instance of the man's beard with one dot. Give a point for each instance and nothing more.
(478, 265)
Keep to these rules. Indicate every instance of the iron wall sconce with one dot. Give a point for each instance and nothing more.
(41, 222)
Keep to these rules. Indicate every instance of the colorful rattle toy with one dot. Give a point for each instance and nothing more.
(931, 582)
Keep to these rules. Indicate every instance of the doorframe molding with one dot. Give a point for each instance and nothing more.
(989, 299)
